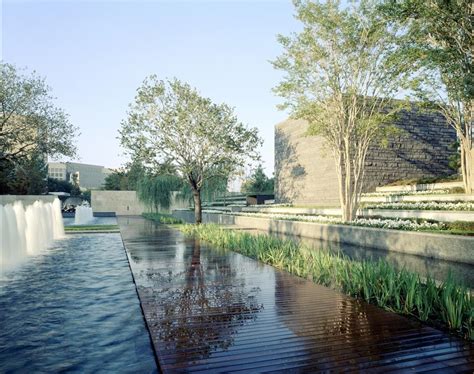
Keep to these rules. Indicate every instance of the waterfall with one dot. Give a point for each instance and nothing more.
(83, 215)
(28, 231)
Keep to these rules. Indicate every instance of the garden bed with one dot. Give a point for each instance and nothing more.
(457, 228)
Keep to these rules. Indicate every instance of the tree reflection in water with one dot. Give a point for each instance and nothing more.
(204, 307)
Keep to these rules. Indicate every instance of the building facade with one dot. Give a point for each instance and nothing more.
(305, 170)
(88, 176)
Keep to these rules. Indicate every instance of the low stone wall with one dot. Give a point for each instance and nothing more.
(120, 202)
(25, 199)
(444, 247)
(123, 203)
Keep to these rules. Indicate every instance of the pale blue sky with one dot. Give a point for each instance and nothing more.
(94, 54)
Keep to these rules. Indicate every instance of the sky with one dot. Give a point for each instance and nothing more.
(95, 54)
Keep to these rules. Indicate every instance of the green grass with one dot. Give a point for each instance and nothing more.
(162, 218)
(448, 304)
(91, 228)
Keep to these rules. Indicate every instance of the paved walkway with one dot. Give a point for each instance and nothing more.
(210, 310)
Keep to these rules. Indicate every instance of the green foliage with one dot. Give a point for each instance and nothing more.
(376, 282)
(125, 179)
(438, 37)
(55, 185)
(163, 218)
(25, 176)
(259, 182)
(156, 191)
(87, 195)
(29, 121)
(339, 78)
(455, 159)
(171, 123)
(466, 226)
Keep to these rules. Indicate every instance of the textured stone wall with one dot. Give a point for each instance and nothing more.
(305, 170)
(126, 203)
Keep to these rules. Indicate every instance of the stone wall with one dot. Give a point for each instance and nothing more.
(124, 203)
(305, 170)
(456, 248)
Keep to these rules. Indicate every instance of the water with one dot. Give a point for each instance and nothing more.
(74, 308)
(27, 231)
(71, 221)
(83, 215)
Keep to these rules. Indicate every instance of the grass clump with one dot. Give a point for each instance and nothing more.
(448, 304)
(166, 219)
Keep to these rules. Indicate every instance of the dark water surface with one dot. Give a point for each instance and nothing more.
(74, 308)
(213, 310)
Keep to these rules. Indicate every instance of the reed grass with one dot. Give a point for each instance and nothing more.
(162, 218)
(449, 304)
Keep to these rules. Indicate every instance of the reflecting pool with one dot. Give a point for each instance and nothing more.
(74, 308)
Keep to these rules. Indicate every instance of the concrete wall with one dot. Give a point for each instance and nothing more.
(25, 199)
(444, 247)
(125, 203)
(305, 170)
(120, 202)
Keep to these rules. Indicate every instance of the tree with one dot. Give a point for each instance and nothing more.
(125, 179)
(436, 46)
(258, 182)
(75, 190)
(340, 79)
(55, 185)
(170, 122)
(26, 176)
(29, 120)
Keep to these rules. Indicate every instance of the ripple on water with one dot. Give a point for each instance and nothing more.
(74, 308)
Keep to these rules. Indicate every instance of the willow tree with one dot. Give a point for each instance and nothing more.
(340, 79)
(170, 121)
(436, 43)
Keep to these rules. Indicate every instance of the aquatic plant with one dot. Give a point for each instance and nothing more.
(162, 218)
(377, 282)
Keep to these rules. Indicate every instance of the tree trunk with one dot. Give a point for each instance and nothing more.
(467, 167)
(197, 206)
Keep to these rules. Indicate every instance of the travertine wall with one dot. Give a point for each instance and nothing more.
(125, 203)
(305, 170)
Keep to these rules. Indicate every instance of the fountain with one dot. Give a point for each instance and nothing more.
(28, 231)
(83, 215)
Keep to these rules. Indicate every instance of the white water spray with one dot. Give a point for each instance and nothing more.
(28, 231)
(83, 215)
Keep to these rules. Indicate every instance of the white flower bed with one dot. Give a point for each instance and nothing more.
(404, 193)
(434, 205)
(386, 223)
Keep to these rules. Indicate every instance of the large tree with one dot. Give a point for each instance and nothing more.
(170, 122)
(30, 123)
(339, 77)
(436, 46)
